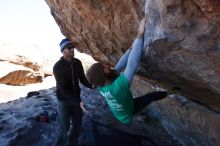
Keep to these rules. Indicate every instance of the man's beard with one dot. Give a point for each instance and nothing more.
(71, 56)
(112, 75)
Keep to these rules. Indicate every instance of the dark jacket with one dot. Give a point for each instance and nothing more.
(67, 77)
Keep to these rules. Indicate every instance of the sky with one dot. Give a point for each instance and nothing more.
(28, 23)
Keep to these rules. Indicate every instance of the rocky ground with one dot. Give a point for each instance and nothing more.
(20, 124)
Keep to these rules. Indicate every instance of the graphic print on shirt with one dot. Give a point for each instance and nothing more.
(112, 101)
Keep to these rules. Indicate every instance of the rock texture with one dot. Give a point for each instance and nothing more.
(19, 71)
(103, 29)
(188, 122)
(182, 41)
(192, 127)
(20, 124)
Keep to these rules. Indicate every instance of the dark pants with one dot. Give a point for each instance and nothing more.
(67, 112)
(141, 102)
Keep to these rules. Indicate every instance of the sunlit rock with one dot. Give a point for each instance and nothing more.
(18, 70)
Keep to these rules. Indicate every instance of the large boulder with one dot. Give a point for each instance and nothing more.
(19, 71)
(182, 41)
(183, 44)
(103, 29)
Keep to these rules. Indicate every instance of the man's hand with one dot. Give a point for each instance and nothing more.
(142, 27)
(82, 106)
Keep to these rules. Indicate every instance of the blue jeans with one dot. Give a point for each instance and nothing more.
(131, 59)
(68, 111)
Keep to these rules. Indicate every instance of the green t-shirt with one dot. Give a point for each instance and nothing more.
(119, 98)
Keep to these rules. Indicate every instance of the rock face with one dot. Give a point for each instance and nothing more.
(182, 41)
(192, 127)
(20, 124)
(19, 71)
(103, 29)
(188, 122)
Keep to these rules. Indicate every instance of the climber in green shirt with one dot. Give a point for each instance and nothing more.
(114, 85)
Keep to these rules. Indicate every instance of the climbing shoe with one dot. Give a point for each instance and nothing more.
(173, 90)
